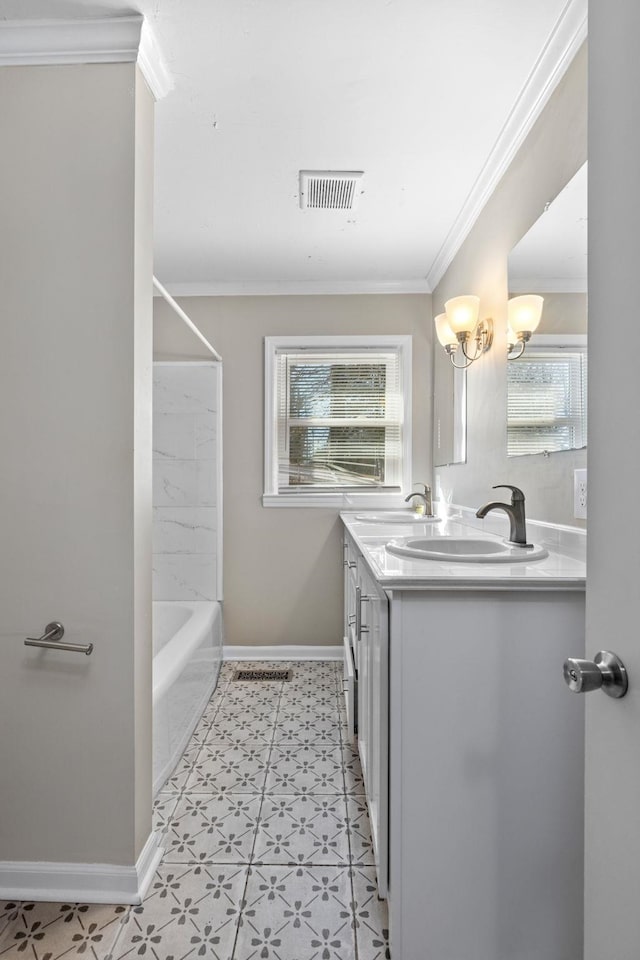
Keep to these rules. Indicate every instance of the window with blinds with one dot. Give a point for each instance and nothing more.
(339, 416)
(547, 401)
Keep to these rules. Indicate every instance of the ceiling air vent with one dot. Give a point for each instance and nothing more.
(329, 189)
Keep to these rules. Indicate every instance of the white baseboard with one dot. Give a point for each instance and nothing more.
(81, 882)
(293, 652)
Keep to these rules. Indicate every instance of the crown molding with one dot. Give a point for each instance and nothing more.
(561, 47)
(106, 40)
(258, 288)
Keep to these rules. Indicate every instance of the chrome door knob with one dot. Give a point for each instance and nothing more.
(606, 671)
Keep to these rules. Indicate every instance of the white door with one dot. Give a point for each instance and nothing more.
(612, 831)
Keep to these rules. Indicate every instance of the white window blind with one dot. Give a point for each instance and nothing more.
(547, 401)
(339, 419)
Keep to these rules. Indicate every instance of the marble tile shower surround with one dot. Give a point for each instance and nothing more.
(185, 479)
(267, 844)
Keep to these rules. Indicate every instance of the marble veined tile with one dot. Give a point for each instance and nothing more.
(173, 436)
(184, 576)
(184, 530)
(184, 389)
(205, 433)
(175, 483)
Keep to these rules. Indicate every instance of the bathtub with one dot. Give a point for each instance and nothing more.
(187, 650)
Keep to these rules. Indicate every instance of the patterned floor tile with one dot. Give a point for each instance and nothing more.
(371, 917)
(296, 914)
(258, 709)
(310, 686)
(180, 775)
(308, 709)
(240, 728)
(263, 665)
(227, 669)
(283, 805)
(353, 778)
(313, 669)
(301, 701)
(360, 841)
(307, 730)
(213, 706)
(229, 769)
(246, 695)
(163, 808)
(47, 931)
(188, 912)
(302, 830)
(212, 829)
(300, 770)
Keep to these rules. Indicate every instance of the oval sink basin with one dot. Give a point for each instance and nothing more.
(463, 550)
(396, 516)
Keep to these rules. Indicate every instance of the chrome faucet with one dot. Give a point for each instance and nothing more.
(515, 512)
(425, 497)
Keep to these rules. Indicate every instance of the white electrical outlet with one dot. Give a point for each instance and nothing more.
(580, 494)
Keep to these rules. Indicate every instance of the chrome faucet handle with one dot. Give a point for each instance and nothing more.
(516, 493)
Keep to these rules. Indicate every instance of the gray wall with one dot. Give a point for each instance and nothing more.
(75, 481)
(551, 154)
(564, 313)
(282, 570)
(612, 861)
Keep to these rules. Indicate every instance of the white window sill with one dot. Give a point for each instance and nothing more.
(339, 501)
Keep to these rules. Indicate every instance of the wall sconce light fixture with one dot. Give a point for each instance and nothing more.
(524, 315)
(458, 325)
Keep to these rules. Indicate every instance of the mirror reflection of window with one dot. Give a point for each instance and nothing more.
(547, 385)
(547, 399)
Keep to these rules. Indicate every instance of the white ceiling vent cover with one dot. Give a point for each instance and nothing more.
(329, 189)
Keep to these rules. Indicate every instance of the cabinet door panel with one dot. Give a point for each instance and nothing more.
(378, 781)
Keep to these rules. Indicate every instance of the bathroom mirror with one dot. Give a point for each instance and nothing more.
(449, 412)
(547, 385)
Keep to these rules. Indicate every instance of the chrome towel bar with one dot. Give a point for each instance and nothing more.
(53, 633)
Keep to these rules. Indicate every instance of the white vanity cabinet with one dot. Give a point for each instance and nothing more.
(366, 684)
(469, 737)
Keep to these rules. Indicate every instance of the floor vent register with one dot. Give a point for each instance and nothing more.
(275, 676)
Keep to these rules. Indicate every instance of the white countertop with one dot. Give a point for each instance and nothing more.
(557, 571)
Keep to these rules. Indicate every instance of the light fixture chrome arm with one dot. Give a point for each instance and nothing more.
(523, 339)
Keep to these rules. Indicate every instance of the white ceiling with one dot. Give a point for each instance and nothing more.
(414, 92)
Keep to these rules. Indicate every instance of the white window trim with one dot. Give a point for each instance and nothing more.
(341, 500)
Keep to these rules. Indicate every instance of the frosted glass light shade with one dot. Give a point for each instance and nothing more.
(524, 313)
(512, 338)
(462, 313)
(443, 330)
